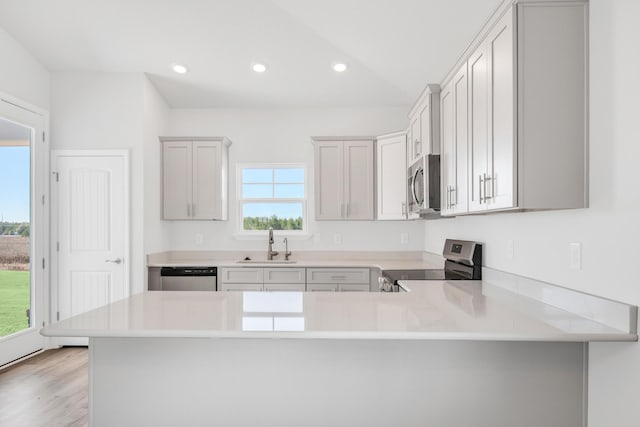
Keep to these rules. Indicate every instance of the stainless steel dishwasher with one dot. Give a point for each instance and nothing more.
(188, 278)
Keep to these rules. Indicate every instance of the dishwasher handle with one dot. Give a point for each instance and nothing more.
(188, 271)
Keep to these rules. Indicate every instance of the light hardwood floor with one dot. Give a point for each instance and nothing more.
(50, 389)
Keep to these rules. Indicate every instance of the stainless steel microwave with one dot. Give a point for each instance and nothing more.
(424, 187)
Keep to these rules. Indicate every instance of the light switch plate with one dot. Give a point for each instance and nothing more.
(575, 256)
(404, 238)
(337, 238)
(199, 238)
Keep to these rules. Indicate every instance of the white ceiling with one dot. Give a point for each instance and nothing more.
(393, 47)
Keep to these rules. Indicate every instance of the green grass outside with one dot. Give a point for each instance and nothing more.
(14, 301)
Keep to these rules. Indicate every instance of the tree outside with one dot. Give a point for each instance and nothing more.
(275, 222)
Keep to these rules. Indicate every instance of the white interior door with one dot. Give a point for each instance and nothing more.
(91, 229)
(24, 267)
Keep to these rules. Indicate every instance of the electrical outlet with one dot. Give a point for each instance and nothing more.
(199, 238)
(404, 238)
(510, 249)
(575, 256)
(337, 238)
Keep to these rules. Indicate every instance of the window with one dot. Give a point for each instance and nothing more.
(272, 196)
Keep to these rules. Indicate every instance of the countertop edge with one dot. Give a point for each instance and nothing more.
(391, 336)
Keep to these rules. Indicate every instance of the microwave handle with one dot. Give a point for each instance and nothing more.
(413, 188)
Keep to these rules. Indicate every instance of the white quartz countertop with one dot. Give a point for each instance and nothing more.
(432, 310)
(383, 264)
(301, 259)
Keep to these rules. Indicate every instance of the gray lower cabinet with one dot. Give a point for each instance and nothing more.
(338, 280)
(283, 287)
(262, 279)
(240, 287)
(294, 279)
(338, 287)
(322, 287)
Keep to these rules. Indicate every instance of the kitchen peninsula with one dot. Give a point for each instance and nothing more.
(482, 353)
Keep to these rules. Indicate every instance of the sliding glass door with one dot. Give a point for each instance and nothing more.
(23, 225)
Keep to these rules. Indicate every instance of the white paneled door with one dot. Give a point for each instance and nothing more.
(90, 229)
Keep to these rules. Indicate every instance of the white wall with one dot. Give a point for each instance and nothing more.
(105, 111)
(156, 117)
(609, 230)
(283, 135)
(21, 75)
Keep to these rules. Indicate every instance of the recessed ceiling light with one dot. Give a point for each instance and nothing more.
(339, 67)
(179, 68)
(259, 68)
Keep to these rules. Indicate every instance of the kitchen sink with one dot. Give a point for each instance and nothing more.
(266, 261)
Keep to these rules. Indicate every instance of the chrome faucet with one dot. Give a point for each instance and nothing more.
(287, 252)
(270, 252)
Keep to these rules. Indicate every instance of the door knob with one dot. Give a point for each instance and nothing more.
(115, 261)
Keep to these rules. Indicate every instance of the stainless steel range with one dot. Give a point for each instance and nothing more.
(463, 262)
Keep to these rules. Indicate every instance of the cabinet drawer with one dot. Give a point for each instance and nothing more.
(322, 287)
(241, 275)
(241, 287)
(284, 275)
(279, 287)
(357, 287)
(338, 275)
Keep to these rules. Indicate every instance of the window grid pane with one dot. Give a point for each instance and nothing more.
(257, 175)
(257, 191)
(284, 182)
(288, 191)
(288, 175)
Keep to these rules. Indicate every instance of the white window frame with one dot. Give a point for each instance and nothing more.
(240, 201)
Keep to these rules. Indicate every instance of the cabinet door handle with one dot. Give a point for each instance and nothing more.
(404, 208)
(480, 184)
(487, 178)
(454, 200)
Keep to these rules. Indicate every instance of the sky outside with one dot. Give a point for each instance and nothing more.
(269, 183)
(14, 184)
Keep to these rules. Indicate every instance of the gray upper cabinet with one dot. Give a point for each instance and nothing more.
(493, 149)
(525, 78)
(453, 155)
(344, 178)
(424, 122)
(195, 178)
(391, 176)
